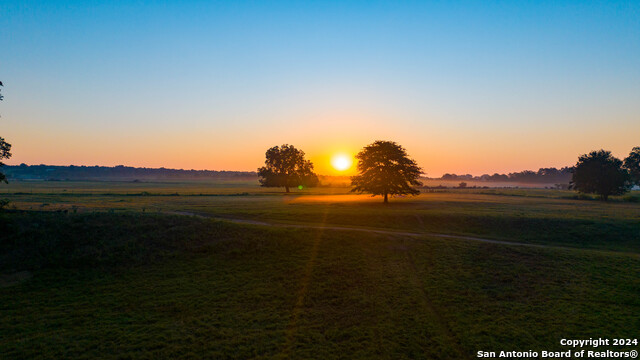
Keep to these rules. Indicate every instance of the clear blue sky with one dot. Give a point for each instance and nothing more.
(465, 86)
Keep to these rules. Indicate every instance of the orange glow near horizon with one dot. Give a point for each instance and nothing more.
(236, 150)
(333, 160)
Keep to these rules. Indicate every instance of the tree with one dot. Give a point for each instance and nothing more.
(600, 173)
(5, 147)
(632, 164)
(286, 167)
(384, 168)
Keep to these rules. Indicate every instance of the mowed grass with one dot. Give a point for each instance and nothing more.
(133, 285)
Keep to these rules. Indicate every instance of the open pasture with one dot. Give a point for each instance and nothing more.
(111, 270)
(142, 285)
(537, 216)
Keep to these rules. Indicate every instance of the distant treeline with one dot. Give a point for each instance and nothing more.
(120, 172)
(544, 175)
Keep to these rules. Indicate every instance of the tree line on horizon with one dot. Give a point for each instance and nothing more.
(596, 173)
(550, 175)
(92, 172)
(120, 172)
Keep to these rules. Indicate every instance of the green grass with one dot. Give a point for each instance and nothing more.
(136, 285)
(538, 216)
(99, 269)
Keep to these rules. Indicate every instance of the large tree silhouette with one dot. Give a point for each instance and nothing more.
(632, 164)
(384, 168)
(600, 173)
(286, 167)
(5, 147)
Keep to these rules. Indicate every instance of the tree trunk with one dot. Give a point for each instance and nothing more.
(286, 188)
(386, 199)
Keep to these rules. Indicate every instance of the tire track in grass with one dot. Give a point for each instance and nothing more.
(322, 226)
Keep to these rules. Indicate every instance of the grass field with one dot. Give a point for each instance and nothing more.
(103, 270)
(530, 215)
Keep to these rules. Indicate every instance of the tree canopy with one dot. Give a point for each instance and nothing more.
(286, 167)
(600, 173)
(632, 164)
(384, 168)
(5, 147)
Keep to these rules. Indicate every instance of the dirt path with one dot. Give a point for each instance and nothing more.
(393, 232)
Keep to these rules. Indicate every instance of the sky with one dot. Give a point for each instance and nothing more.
(465, 86)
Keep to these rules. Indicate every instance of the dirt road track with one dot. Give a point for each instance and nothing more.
(394, 232)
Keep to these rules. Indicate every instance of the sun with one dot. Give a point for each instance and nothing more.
(341, 162)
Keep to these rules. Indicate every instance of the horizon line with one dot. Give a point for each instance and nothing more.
(423, 175)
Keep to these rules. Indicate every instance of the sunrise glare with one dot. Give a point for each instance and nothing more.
(341, 162)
